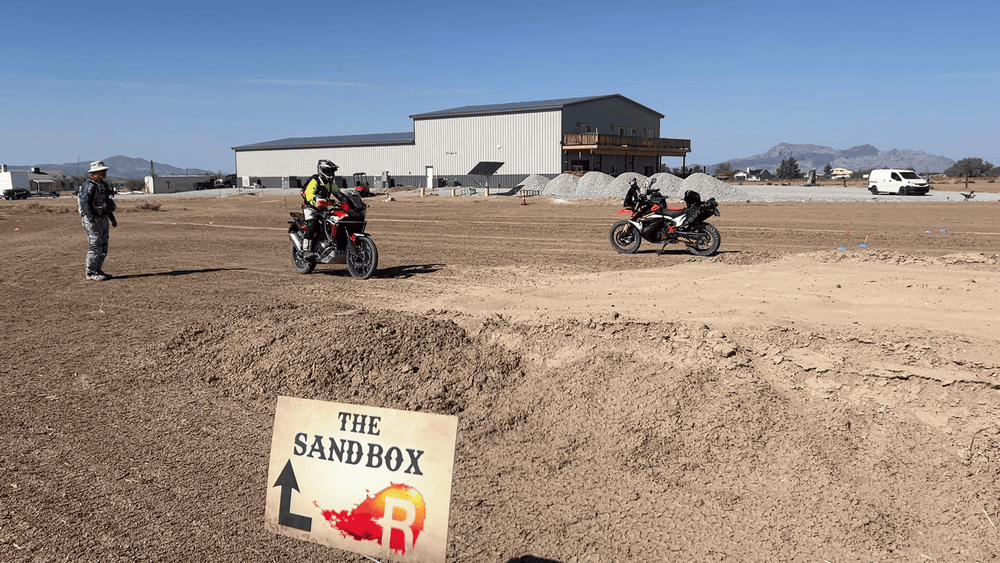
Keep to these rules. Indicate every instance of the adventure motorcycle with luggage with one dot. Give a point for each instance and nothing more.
(652, 220)
(342, 238)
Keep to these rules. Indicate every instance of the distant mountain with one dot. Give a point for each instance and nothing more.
(118, 167)
(861, 157)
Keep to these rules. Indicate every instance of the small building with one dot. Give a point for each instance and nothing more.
(841, 173)
(34, 180)
(180, 183)
(611, 134)
(753, 175)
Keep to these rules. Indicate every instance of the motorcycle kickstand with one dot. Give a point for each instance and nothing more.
(662, 250)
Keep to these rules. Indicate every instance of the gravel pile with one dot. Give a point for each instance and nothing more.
(601, 185)
(561, 186)
(535, 182)
(667, 183)
(593, 184)
(708, 187)
(619, 185)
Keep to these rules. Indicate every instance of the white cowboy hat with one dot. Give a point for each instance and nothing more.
(97, 166)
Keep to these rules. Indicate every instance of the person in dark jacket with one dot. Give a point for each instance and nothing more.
(97, 213)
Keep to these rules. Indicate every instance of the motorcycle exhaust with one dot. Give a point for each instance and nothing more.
(297, 241)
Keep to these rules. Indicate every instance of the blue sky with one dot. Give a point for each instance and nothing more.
(183, 82)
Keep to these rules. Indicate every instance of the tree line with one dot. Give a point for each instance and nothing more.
(789, 169)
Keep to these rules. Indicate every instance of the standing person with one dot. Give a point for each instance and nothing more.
(318, 189)
(97, 212)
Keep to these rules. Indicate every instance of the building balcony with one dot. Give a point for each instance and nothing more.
(594, 143)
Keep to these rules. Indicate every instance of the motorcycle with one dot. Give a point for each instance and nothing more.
(652, 220)
(342, 239)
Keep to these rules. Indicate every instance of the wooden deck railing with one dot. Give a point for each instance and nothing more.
(595, 139)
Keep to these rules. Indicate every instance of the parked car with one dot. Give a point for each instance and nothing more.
(902, 182)
(16, 193)
(227, 181)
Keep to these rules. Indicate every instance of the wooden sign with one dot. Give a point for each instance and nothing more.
(365, 479)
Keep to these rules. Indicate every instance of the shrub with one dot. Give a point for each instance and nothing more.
(148, 206)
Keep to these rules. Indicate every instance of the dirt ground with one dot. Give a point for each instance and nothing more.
(781, 401)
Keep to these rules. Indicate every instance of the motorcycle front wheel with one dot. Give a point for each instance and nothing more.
(625, 238)
(362, 262)
(707, 242)
(302, 265)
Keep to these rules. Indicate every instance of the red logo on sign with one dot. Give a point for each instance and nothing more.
(394, 515)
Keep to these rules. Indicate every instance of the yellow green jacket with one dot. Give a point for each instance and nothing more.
(316, 189)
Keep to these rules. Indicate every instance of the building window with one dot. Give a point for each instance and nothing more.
(649, 132)
(631, 131)
(586, 128)
(619, 131)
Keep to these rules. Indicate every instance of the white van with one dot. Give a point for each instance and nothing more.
(902, 182)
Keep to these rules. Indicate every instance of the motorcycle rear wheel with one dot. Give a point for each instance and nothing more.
(707, 243)
(624, 238)
(364, 260)
(302, 265)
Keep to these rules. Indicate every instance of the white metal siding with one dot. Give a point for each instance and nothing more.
(529, 143)
(14, 179)
(302, 162)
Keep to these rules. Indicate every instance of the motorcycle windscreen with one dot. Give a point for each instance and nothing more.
(632, 196)
(357, 206)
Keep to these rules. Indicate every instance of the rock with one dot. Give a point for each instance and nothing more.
(724, 350)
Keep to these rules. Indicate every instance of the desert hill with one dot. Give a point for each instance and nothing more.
(861, 157)
(119, 167)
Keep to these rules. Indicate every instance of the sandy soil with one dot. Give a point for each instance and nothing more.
(781, 401)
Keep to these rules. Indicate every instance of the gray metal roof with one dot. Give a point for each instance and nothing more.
(408, 137)
(334, 141)
(517, 107)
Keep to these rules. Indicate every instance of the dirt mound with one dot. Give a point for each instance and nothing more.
(747, 257)
(972, 260)
(615, 414)
(373, 357)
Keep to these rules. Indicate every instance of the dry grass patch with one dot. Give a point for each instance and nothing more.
(146, 206)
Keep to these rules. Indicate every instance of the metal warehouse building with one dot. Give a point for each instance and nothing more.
(611, 134)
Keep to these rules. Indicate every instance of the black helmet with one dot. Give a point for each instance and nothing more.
(692, 198)
(326, 169)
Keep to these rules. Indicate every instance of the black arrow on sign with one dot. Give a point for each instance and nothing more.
(287, 482)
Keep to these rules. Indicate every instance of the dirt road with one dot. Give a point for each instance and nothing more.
(781, 401)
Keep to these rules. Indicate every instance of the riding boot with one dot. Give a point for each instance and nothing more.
(100, 266)
(307, 249)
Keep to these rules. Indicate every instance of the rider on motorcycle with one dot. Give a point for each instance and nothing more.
(317, 193)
